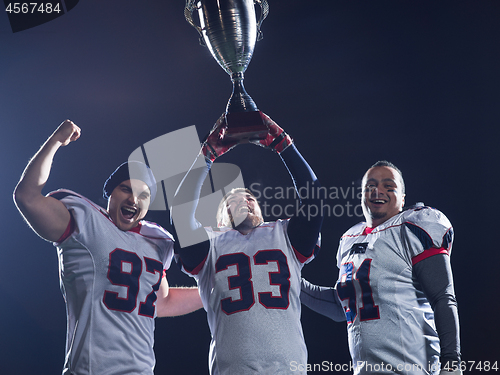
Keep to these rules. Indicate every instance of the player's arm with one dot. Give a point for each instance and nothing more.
(47, 216)
(191, 240)
(176, 301)
(303, 230)
(321, 299)
(192, 243)
(436, 278)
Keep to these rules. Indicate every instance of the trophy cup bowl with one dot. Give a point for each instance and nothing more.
(229, 29)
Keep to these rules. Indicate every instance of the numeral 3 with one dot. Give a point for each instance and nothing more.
(243, 280)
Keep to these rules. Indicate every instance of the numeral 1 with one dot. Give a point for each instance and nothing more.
(347, 291)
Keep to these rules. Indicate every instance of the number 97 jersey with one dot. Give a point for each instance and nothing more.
(109, 279)
(390, 322)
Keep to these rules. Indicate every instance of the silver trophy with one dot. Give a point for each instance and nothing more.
(229, 28)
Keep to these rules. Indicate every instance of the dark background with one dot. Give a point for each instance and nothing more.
(353, 82)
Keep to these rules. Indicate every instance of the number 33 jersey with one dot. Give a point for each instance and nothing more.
(390, 322)
(250, 286)
(109, 280)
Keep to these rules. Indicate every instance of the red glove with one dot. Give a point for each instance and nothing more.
(215, 145)
(277, 139)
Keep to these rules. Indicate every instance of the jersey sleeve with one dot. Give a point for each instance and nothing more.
(302, 257)
(426, 232)
(80, 209)
(162, 237)
(191, 259)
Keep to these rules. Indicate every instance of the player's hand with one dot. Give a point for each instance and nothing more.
(66, 132)
(457, 371)
(216, 145)
(277, 139)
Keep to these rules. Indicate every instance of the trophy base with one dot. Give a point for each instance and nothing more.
(245, 126)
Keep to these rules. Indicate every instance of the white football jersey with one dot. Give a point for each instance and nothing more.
(109, 280)
(250, 287)
(390, 322)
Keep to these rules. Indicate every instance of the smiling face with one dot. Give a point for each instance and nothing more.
(383, 195)
(129, 203)
(243, 211)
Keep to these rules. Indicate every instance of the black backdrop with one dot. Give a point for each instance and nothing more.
(353, 82)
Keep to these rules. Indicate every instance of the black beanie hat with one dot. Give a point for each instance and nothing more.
(127, 171)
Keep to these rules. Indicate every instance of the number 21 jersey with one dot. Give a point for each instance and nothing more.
(390, 322)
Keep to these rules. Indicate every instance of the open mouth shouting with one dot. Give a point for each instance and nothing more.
(129, 212)
(127, 208)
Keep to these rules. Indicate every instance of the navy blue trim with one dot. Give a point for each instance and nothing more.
(448, 237)
(359, 248)
(421, 234)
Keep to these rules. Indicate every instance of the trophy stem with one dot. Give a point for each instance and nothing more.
(240, 101)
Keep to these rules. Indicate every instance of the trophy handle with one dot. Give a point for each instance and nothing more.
(191, 6)
(264, 11)
(188, 13)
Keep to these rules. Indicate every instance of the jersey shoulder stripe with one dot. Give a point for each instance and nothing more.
(428, 253)
(430, 226)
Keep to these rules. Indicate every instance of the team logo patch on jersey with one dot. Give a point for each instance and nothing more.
(359, 248)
